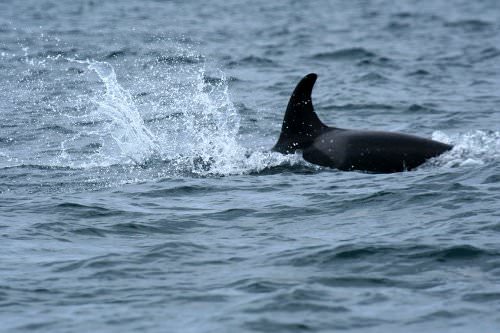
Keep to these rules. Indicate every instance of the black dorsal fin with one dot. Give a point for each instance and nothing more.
(301, 125)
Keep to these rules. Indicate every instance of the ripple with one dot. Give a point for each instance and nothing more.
(356, 107)
(252, 61)
(471, 25)
(488, 53)
(397, 26)
(136, 228)
(231, 214)
(39, 325)
(482, 297)
(172, 250)
(38, 167)
(90, 231)
(105, 262)
(440, 315)
(380, 254)
(354, 53)
(89, 211)
(258, 286)
(417, 108)
(121, 53)
(202, 298)
(419, 73)
(33, 75)
(183, 190)
(455, 253)
(378, 61)
(57, 129)
(360, 282)
(282, 303)
(373, 77)
(266, 325)
(299, 168)
(6, 140)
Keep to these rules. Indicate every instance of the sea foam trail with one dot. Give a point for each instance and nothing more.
(471, 148)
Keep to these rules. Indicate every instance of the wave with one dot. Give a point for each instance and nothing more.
(252, 61)
(457, 252)
(484, 55)
(56, 128)
(373, 77)
(419, 108)
(325, 256)
(81, 211)
(419, 73)
(353, 53)
(361, 106)
(472, 25)
(481, 297)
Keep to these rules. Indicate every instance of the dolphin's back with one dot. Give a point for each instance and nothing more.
(372, 151)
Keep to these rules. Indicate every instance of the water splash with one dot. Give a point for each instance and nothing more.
(193, 128)
(205, 137)
(469, 149)
(125, 124)
(167, 119)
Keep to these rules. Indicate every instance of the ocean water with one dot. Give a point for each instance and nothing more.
(138, 193)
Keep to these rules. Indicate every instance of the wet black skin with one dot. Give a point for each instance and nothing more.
(371, 151)
(344, 149)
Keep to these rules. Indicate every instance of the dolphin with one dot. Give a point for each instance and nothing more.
(346, 149)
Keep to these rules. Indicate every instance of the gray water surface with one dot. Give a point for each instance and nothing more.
(137, 192)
